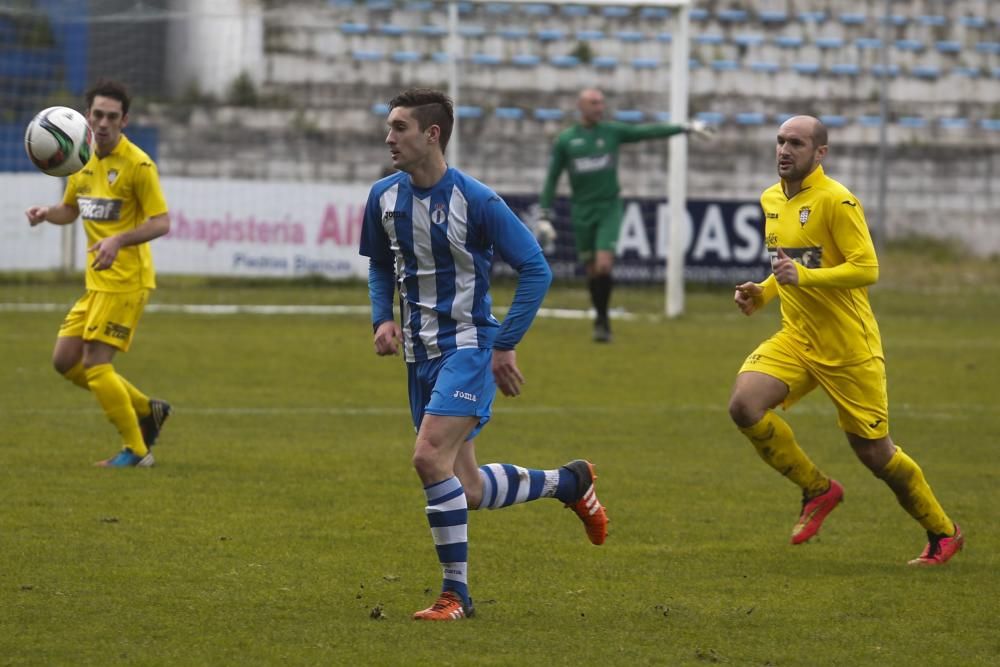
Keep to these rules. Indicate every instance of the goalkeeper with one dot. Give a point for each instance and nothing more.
(589, 152)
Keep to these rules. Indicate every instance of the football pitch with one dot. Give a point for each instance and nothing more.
(283, 523)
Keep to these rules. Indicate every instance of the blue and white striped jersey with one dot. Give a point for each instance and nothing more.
(439, 244)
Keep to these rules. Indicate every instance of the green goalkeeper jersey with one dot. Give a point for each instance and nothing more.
(590, 155)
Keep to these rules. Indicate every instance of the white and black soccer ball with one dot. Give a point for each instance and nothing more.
(59, 141)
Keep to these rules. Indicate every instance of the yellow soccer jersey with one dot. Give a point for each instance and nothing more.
(823, 229)
(115, 194)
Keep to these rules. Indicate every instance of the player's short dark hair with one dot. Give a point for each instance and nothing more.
(108, 88)
(819, 135)
(429, 107)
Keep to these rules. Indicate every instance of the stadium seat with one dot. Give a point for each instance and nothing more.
(925, 71)
(497, 8)
(833, 120)
(513, 32)
(765, 67)
(869, 120)
(390, 30)
(664, 37)
(509, 113)
(914, 45)
(829, 42)
(485, 59)
(629, 116)
(885, 70)
(750, 118)
(471, 31)
(367, 56)
(912, 122)
(772, 16)
(654, 13)
(354, 28)
(812, 17)
(806, 68)
(967, 72)
(897, 20)
(711, 117)
(748, 40)
(709, 39)
(589, 35)
(440, 57)
(788, 41)
(661, 116)
(465, 111)
(988, 47)
(550, 34)
(525, 60)
(948, 46)
(868, 43)
(977, 22)
(604, 62)
(564, 61)
(990, 124)
(698, 14)
(732, 15)
(645, 63)
(616, 11)
(417, 6)
(537, 9)
(379, 5)
(406, 56)
(578, 11)
(845, 69)
(629, 36)
(549, 114)
(380, 109)
(933, 20)
(853, 18)
(432, 30)
(782, 117)
(953, 123)
(725, 65)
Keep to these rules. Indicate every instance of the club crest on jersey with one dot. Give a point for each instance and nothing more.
(112, 175)
(804, 215)
(439, 215)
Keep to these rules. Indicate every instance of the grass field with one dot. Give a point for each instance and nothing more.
(284, 525)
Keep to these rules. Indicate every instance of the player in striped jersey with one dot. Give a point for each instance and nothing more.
(431, 232)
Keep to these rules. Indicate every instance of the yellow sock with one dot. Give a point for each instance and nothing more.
(907, 481)
(114, 399)
(775, 443)
(140, 402)
(77, 375)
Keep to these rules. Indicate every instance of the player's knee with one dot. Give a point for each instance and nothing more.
(744, 412)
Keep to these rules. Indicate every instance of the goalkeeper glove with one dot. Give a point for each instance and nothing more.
(700, 129)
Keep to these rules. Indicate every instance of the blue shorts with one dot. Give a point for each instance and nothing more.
(457, 384)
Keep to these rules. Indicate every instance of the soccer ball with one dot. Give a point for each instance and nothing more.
(59, 141)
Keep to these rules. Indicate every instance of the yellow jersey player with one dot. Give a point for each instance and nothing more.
(119, 197)
(823, 261)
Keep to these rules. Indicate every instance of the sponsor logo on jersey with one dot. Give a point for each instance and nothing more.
(770, 216)
(810, 257)
(97, 208)
(586, 165)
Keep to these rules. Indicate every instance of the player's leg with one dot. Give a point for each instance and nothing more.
(863, 412)
(608, 223)
(770, 377)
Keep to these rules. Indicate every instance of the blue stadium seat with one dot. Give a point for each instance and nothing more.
(654, 13)
(525, 60)
(367, 56)
(537, 9)
(868, 43)
(629, 116)
(897, 20)
(629, 36)
(564, 61)
(698, 14)
(341, 3)
(914, 45)
(788, 41)
(711, 117)
(578, 11)
(664, 37)
(509, 113)
(771, 16)
(465, 111)
(953, 123)
(750, 118)
(406, 56)
(812, 17)
(988, 47)
(550, 34)
(661, 116)
(432, 30)
(390, 30)
(748, 39)
(416, 6)
(833, 120)
(845, 69)
(925, 71)
(912, 122)
(948, 46)
(829, 42)
(967, 72)
(732, 15)
(440, 57)
(782, 117)
(379, 5)
(765, 67)
(933, 20)
(853, 18)
(806, 68)
(869, 121)
(995, 72)
(497, 8)
(380, 109)
(485, 59)
(589, 35)
(694, 63)
(604, 62)
(977, 22)
(990, 124)
(471, 31)
(645, 63)
(513, 32)
(549, 114)
(616, 11)
(885, 70)
(709, 39)
(725, 65)
(354, 28)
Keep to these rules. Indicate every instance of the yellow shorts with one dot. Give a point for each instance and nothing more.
(858, 390)
(108, 317)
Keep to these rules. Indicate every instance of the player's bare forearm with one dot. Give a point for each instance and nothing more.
(60, 214)
(153, 228)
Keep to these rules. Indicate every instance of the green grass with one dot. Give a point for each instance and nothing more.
(283, 513)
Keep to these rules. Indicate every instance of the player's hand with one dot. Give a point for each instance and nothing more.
(37, 214)
(105, 251)
(387, 337)
(700, 129)
(506, 373)
(748, 297)
(784, 269)
(546, 235)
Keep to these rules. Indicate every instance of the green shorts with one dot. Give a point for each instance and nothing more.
(596, 227)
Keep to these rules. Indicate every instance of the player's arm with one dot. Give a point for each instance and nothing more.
(751, 297)
(557, 163)
(850, 233)
(381, 279)
(57, 214)
(631, 133)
